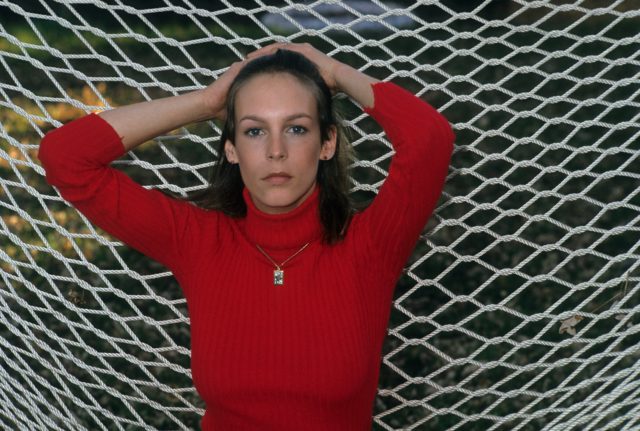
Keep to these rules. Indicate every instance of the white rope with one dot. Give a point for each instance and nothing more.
(519, 309)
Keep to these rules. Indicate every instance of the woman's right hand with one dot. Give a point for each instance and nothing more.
(215, 94)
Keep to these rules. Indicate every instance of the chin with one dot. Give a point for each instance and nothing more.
(282, 200)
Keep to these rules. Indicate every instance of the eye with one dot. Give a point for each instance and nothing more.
(253, 132)
(298, 130)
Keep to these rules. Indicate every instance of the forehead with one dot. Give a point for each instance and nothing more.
(275, 94)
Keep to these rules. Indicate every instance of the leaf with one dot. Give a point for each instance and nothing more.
(618, 316)
(568, 325)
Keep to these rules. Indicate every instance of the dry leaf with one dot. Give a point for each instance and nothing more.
(568, 325)
(618, 316)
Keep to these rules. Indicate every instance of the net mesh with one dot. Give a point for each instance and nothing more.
(517, 311)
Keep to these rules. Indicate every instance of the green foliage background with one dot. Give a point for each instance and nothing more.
(539, 219)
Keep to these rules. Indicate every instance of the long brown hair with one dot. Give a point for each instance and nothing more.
(224, 192)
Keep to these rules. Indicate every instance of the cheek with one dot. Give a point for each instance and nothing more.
(249, 164)
(248, 152)
(309, 158)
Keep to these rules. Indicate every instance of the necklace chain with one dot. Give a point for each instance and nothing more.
(278, 273)
(287, 260)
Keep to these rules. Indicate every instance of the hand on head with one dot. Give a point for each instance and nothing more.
(338, 77)
(325, 64)
(216, 93)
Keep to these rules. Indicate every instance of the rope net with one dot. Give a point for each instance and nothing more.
(519, 308)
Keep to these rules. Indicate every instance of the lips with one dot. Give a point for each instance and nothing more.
(277, 178)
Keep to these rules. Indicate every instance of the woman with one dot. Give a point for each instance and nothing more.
(288, 291)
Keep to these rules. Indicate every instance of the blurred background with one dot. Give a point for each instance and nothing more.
(519, 307)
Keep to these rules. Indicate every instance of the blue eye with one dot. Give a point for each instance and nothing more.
(298, 130)
(252, 132)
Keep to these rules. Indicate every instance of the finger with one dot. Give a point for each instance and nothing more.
(269, 49)
(299, 48)
(262, 51)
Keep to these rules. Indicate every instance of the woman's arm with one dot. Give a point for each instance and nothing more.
(423, 142)
(139, 122)
(77, 156)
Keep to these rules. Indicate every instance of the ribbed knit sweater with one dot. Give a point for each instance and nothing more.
(302, 356)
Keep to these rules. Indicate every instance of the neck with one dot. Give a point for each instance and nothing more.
(283, 210)
(285, 231)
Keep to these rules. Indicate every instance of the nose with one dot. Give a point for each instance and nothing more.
(276, 149)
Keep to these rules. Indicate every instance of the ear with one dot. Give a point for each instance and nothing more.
(230, 152)
(328, 148)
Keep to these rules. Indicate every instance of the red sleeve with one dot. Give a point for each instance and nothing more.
(76, 160)
(423, 142)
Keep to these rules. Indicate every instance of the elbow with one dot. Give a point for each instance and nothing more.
(47, 156)
(75, 157)
(56, 161)
(441, 132)
(56, 158)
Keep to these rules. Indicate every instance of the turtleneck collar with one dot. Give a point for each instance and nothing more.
(283, 231)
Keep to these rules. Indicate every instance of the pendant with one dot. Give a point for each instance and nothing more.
(278, 277)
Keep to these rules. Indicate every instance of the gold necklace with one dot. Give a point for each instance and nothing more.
(278, 273)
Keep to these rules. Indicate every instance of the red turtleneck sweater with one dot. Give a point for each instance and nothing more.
(302, 356)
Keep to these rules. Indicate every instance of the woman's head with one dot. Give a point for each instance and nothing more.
(273, 127)
(288, 64)
(280, 120)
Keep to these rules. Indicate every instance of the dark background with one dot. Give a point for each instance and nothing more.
(538, 221)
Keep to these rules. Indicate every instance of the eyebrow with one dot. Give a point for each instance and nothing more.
(288, 118)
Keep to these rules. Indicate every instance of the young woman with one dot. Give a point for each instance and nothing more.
(289, 291)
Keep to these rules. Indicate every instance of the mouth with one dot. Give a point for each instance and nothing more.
(277, 178)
